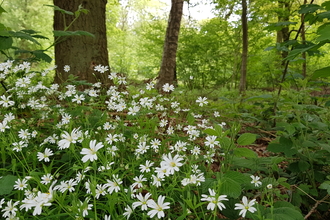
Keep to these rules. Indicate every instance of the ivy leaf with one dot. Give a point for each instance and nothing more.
(246, 139)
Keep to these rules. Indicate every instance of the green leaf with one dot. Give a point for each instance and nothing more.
(211, 132)
(7, 183)
(326, 5)
(237, 176)
(323, 31)
(230, 187)
(325, 185)
(2, 10)
(309, 8)
(244, 152)
(40, 54)
(72, 33)
(279, 25)
(5, 43)
(322, 73)
(285, 145)
(56, 8)
(246, 139)
(22, 35)
(260, 97)
(325, 147)
(285, 213)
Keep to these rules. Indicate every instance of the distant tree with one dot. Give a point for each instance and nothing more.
(82, 53)
(167, 73)
(242, 85)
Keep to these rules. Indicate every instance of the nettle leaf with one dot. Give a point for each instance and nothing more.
(322, 73)
(244, 152)
(230, 187)
(237, 176)
(246, 139)
(309, 8)
(7, 184)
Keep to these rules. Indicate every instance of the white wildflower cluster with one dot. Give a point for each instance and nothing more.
(129, 152)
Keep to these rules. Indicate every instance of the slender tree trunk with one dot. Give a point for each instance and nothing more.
(303, 39)
(82, 53)
(167, 73)
(242, 84)
(283, 34)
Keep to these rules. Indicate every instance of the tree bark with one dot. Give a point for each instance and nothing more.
(242, 84)
(167, 73)
(303, 39)
(82, 53)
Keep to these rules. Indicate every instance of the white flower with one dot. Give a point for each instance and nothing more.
(146, 167)
(211, 141)
(213, 201)
(69, 138)
(269, 186)
(10, 209)
(45, 179)
(172, 163)
(158, 208)
(78, 98)
(138, 181)
(4, 126)
(202, 101)
(128, 211)
(255, 181)
(90, 153)
(5, 102)
(143, 201)
(66, 68)
(168, 88)
(114, 185)
(246, 206)
(20, 184)
(45, 156)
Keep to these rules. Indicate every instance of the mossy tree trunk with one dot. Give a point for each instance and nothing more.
(82, 53)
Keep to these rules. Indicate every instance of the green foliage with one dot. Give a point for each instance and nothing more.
(7, 184)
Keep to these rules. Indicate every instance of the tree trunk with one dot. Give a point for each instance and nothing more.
(167, 73)
(283, 34)
(303, 39)
(82, 53)
(242, 84)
